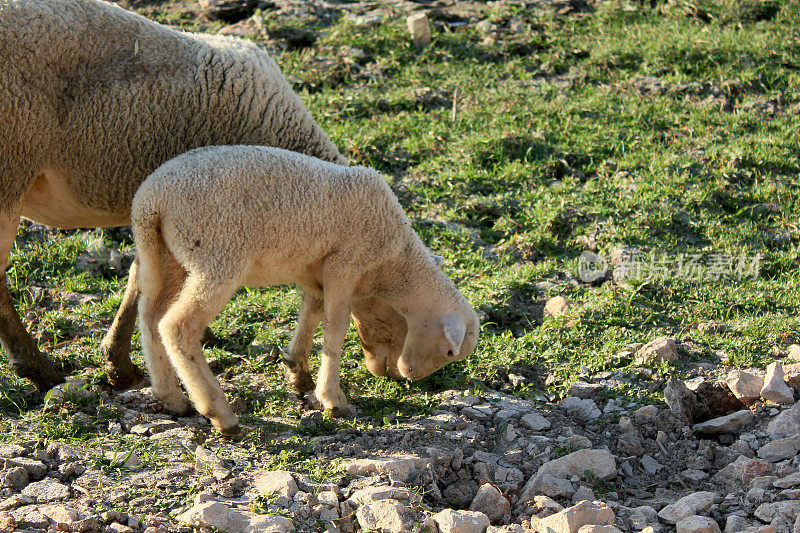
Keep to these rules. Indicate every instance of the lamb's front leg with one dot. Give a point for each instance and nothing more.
(337, 319)
(298, 373)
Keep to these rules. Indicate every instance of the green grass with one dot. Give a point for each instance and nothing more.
(554, 144)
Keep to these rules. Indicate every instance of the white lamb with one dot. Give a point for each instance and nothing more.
(216, 218)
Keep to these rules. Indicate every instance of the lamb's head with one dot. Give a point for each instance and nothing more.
(434, 340)
(383, 332)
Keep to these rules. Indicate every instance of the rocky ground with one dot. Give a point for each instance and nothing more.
(720, 452)
(722, 455)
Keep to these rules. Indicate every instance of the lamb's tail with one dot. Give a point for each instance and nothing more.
(146, 222)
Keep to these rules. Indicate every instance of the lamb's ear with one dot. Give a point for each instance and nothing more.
(438, 260)
(454, 331)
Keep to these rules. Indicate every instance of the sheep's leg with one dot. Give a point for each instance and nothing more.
(337, 319)
(298, 373)
(116, 345)
(24, 357)
(163, 379)
(182, 329)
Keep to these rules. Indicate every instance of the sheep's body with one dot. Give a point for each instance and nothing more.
(217, 218)
(92, 99)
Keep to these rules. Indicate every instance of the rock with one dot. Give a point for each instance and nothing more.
(12, 450)
(15, 478)
(115, 527)
(220, 516)
(555, 306)
(535, 422)
(775, 388)
(745, 386)
(582, 410)
(780, 449)
(646, 413)
(649, 464)
(583, 493)
(657, 350)
(243, 28)
(547, 485)
(210, 463)
(599, 462)
(791, 373)
(786, 423)
(766, 512)
(461, 493)
(36, 469)
(491, 502)
(45, 491)
(599, 529)
(7, 521)
(372, 494)
(388, 516)
(692, 504)
(731, 423)
(792, 480)
(403, 468)
(155, 427)
(452, 521)
(69, 519)
(571, 519)
(735, 523)
(420, 29)
(697, 524)
(545, 505)
(278, 482)
(680, 399)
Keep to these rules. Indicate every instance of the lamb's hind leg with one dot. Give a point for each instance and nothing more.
(23, 356)
(298, 373)
(182, 329)
(116, 345)
(163, 379)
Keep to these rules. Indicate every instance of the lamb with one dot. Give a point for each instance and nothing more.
(216, 218)
(92, 99)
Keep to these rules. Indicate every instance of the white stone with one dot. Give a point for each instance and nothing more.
(535, 422)
(697, 524)
(692, 504)
(731, 423)
(389, 516)
(280, 482)
(768, 511)
(47, 490)
(745, 385)
(657, 350)
(402, 468)
(571, 519)
(586, 409)
(207, 462)
(787, 482)
(780, 449)
(220, 516)
(452, 521)
(491, 502)
(599, 529)
(420, 29)
(599, 462)
(555, 306)
(373, 494)
(583, 493)
(787, 423)
(775, 388)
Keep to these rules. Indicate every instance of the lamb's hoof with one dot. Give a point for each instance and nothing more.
(123, 376)
(301, 382)
(311, 401)
(233, 432)
(179, 406)
(346, 411)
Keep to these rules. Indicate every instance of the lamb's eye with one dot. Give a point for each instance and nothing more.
(450, 353)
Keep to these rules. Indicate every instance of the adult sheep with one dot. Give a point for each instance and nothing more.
(92, 99)
(219, 217)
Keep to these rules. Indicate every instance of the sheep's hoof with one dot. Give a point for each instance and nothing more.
(301, 382)
(310, 399)
(232, 432)
(123, 376)
(346, 411)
